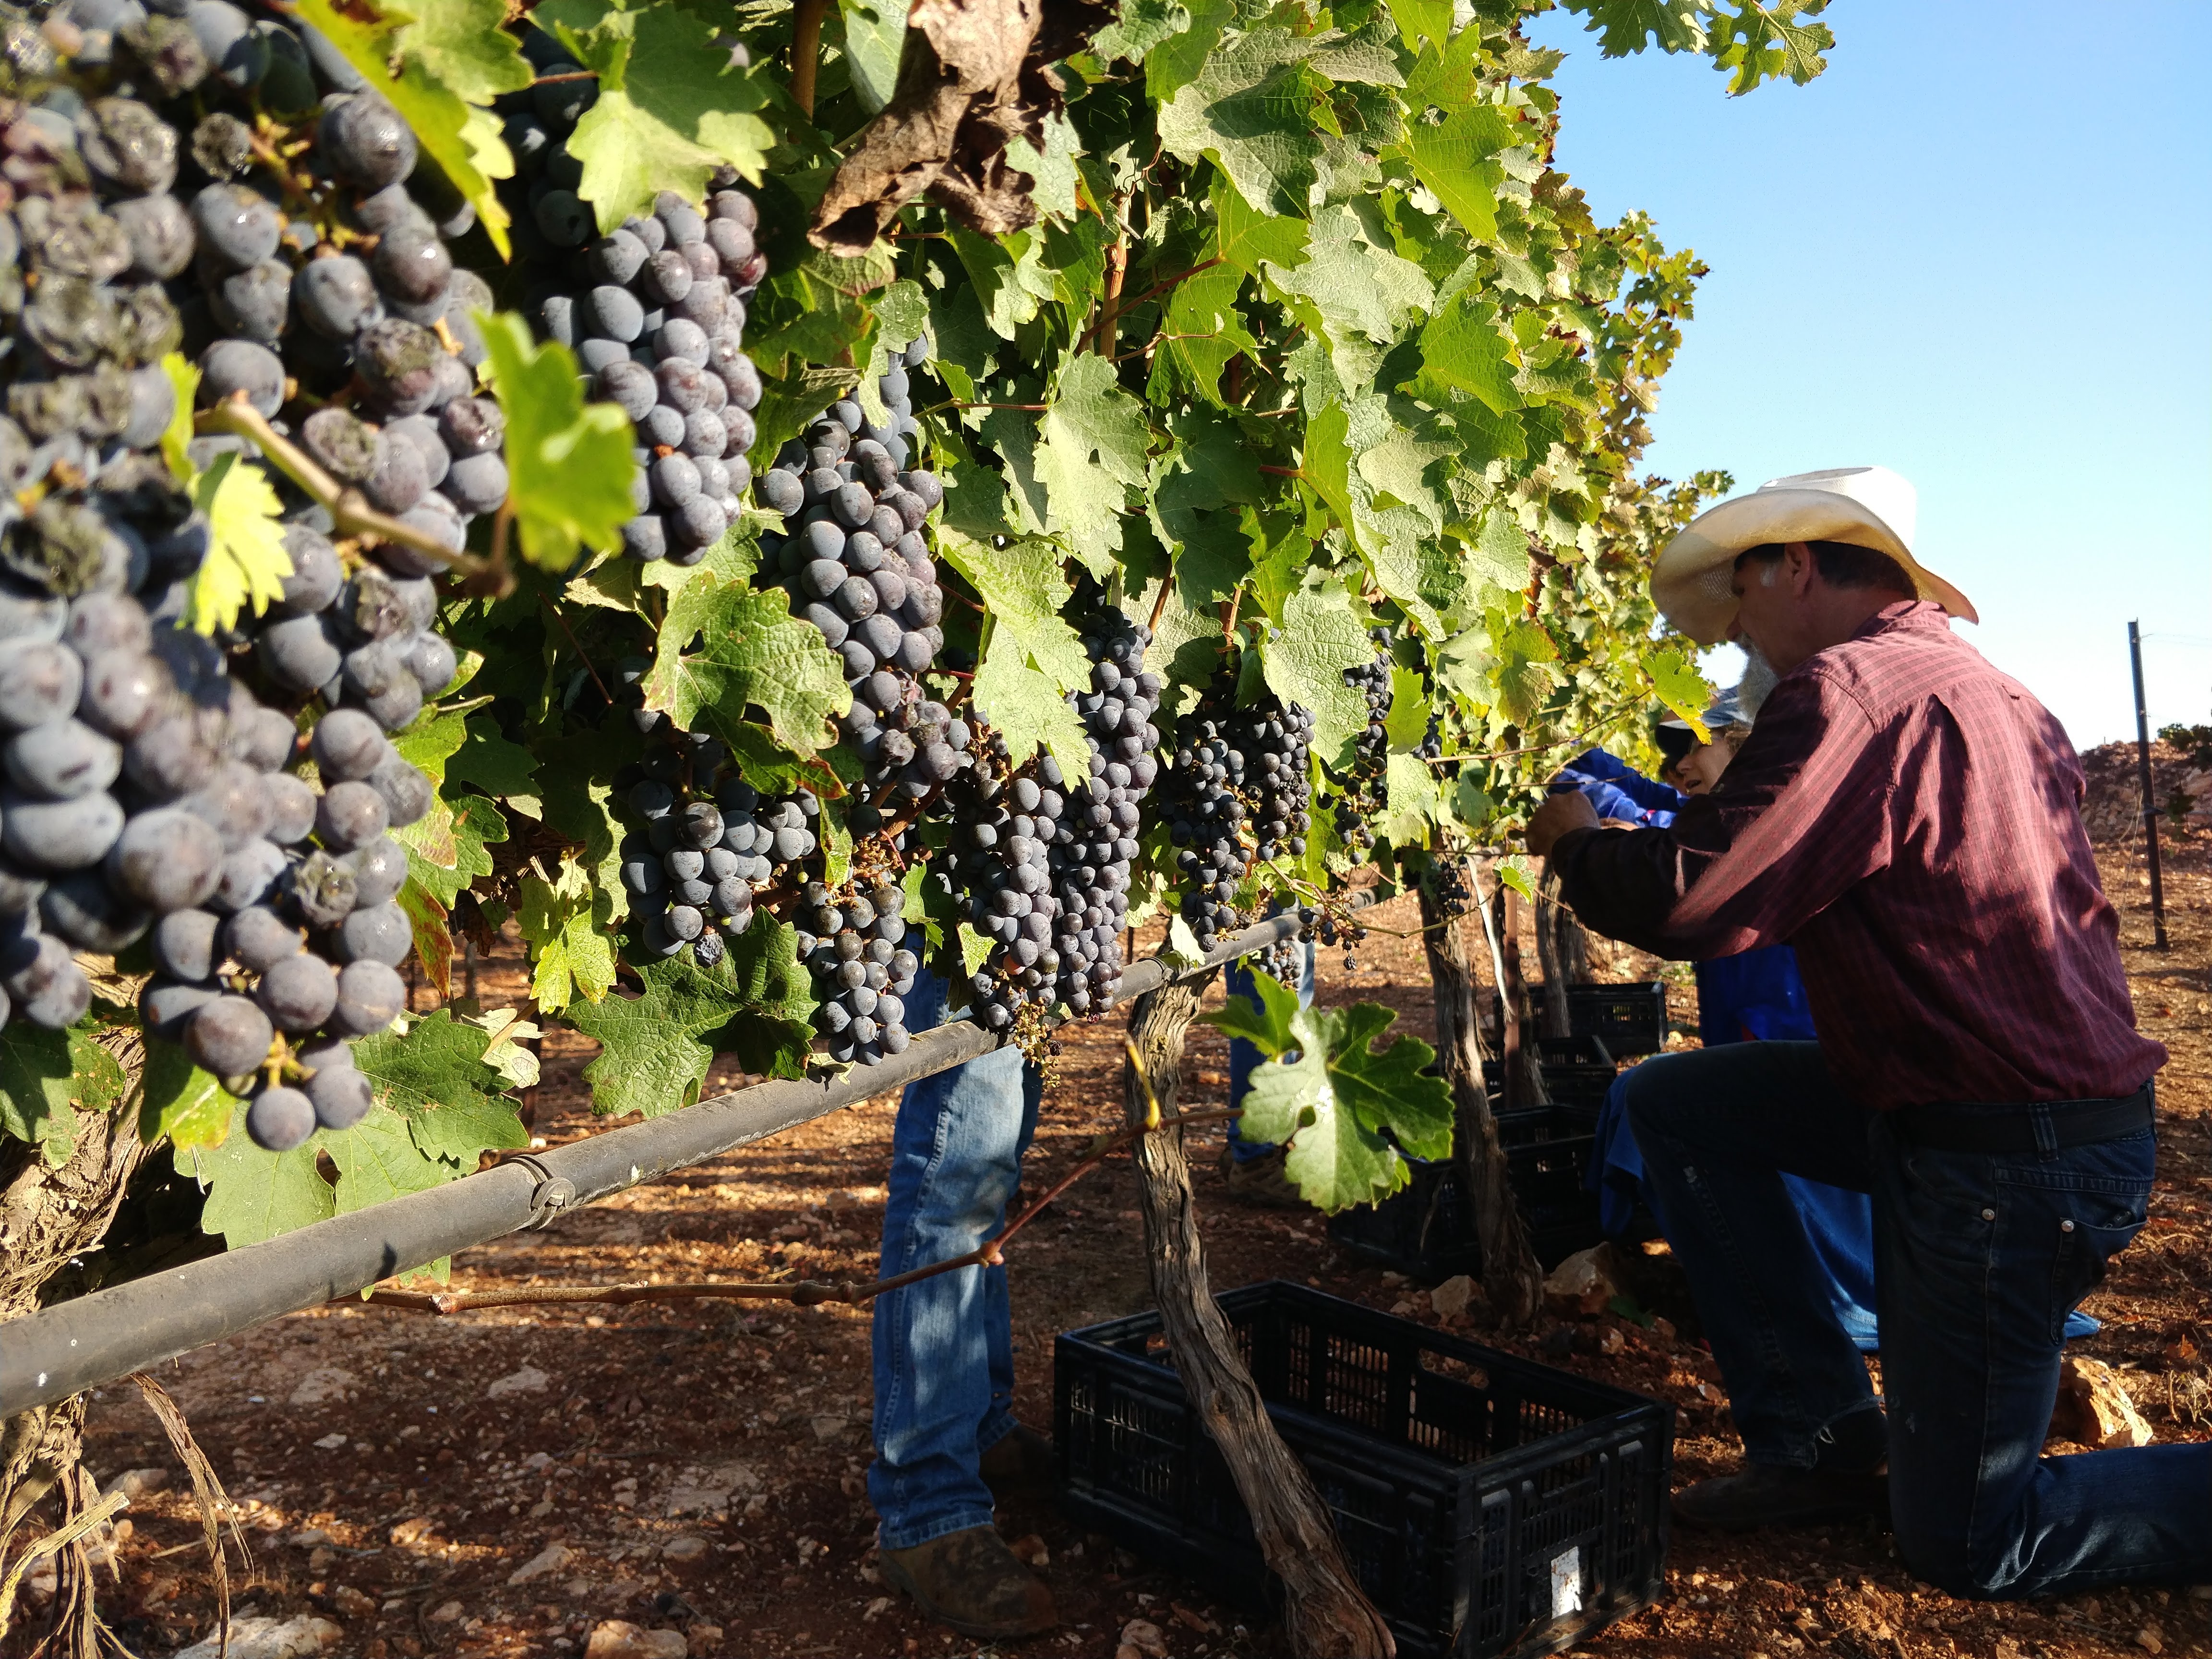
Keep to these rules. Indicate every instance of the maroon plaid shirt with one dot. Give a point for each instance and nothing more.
(1909, 820)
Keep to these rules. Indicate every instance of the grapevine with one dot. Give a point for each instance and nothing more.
(452, 480)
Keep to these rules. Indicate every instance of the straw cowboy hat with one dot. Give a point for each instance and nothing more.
(1861, 506)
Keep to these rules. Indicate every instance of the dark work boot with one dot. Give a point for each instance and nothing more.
(1020, 1465)
(1845, 1483)
(1764, 1496)
(971, 1581)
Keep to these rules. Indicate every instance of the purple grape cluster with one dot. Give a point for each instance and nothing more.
(266, 975)
(855, 557)
(660, 333)
(1095, 841)
(855, 942)
(654, 310)
(1235, 769)
(1006, 825)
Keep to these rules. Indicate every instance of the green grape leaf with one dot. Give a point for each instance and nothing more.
(445, 846)
(1090, 451)
(1462, 347)
(1183, 51)
(378, 1159)
(464, 143)
(1057, 178)
(975, 950)
(1499, 553)
(1251, 109)
(1674, 675)
(46, 1078)
(1626, 27)
(1408, 722)
(1414, 799)
(1022, 591)
(753, 653)
(580, 801)
(462, 44)
(1757, 42)
(569, 462)
(437, 1063)
(1334, 1099)
(1354, 288)
(429, 743)
(1423, 20)
(1321, 637)
(1142, 25)
(504, 770)
(563, 924)
(775, 1035)
(180, 1102)
(654, 1051)
(1263, 1018)
(1027, 705)
(177, 436)
(246, 563)
(875, 32)
(1456, 159)
(253, 1194)
(1514, 872)
(432, 938)
(671, 107)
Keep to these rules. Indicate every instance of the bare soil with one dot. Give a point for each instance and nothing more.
(699, 1470)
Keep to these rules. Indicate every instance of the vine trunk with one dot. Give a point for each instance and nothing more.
(49, 1215)
(1511, 1279)
(1327, 1615)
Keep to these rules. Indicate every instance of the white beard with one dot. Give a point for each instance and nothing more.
(1759, 680)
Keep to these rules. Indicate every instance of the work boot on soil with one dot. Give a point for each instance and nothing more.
(1845, 1483)
(1260, 1179)
(1020, 1465)
(971, 1581)
(1764, 1495)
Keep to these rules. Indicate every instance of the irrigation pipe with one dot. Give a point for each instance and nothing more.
(59, 1351)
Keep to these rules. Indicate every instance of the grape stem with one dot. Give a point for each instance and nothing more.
(805, 52)
(351, 512)
(804, 1293)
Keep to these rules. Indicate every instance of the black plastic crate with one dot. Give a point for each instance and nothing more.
(1426, 1232)
(1491, 1506)
(1577, 1070)
(1629, 1019)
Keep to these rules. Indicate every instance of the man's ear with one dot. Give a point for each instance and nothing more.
(1800, 566)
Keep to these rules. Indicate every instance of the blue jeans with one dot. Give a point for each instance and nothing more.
(1243, 1058)
(1978, 1259)
(945, 1347)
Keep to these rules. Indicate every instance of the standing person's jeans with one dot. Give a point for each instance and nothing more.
(1979, 1257)
(945, 1347)
(1243, 1058)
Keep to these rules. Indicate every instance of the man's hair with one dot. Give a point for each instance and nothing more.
(1842, 565)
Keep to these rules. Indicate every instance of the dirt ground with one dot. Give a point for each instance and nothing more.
(505, 1483)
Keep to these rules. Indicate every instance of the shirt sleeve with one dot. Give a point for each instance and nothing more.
(1618, 790)
(1801, 815)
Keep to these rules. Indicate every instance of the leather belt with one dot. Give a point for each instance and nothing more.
(2040, 1126)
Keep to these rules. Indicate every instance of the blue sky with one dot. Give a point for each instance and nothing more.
(1975, 250)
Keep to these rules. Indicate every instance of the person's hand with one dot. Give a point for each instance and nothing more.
(1568, 810)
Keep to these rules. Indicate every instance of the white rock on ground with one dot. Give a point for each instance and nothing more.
(257, 1637)
(618, 1638)
(323, 1384)
(528, 1380)
(551, 1559)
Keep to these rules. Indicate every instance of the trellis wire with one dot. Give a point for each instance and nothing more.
(81, 1344)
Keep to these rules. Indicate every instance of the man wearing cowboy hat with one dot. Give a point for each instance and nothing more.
(1909, 819)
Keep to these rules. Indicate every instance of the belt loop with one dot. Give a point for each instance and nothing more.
(2047, 1132)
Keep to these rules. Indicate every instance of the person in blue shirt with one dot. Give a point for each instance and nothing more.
(1754, 996)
